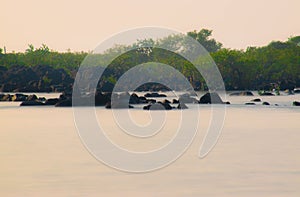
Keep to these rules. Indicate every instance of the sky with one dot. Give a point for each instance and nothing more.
(82, 25)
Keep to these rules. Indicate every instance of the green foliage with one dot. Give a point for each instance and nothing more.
(254, 68)
(203, 37)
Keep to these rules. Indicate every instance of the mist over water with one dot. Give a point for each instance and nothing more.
(257, 153)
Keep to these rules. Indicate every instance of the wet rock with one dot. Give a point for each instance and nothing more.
(6, 97)
(175, 101)
(32, 97)
(296, 103)
(51, 101)
(19, 97)
(256, 100)
(266, 94)
(101, 99)
(64, 103)
(154, 94)
(158, 106)
(242, 93)
(211, 98)
(166, 101)
(32, 103)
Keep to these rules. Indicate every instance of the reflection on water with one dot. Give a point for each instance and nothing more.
(257, 154)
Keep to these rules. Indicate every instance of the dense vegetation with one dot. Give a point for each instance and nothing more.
(276, 65)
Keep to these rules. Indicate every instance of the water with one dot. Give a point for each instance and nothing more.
(257, 154)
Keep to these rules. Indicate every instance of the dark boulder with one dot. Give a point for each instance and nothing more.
(32, 97)
(6, 97)
(151, 101)
(154, 94)
(134, 99)
(211, 98)
(256, 100)
(166, 101)
(175, 101)
(64, 103)
(158, 106)
(51, 101)
(242, 93)
(19, 97)
(296, 103)
(266, 94)
(32, 103)
(249, 103)
(101, 99)
(297, 91)
(265, 103)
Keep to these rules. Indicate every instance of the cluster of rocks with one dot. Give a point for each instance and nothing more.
(123, 100)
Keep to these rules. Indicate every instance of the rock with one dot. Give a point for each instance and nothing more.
(289, 92)
(227, 103)
(211, 98)
(158, 106)
(51, 101)
(265, 103)
(154, 94)
(256, 100)
(175, 101)
(242, 93)
(64, 103)
(151, 101)
(19, 97)
(166, 101)
(266, 94)
(182, 106)
(134, 99)
(6, 97)
(42, 99)
(296, 103)
(297, 91)
(143, 99)
(32, 97)
(101, 99)
(249, 103)
(32, 103)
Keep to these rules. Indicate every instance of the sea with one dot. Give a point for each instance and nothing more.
(257, 152)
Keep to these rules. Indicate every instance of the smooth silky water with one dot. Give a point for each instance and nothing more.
(257, 153)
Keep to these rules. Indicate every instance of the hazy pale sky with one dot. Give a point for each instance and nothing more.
(82, 25)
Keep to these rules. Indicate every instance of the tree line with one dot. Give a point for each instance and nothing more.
(276, 65)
